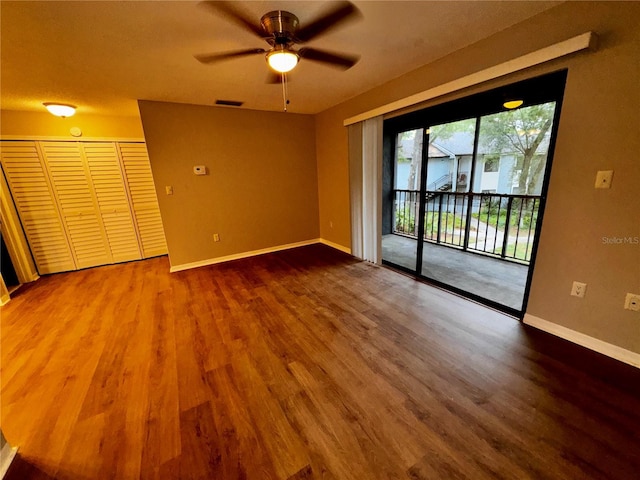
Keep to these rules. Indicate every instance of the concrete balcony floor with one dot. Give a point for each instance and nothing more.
(497, 280)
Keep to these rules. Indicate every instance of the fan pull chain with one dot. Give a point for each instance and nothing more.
(285, 91)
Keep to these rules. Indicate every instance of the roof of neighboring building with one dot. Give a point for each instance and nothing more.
(459, 144)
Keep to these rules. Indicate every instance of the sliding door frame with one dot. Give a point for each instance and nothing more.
(537, 90)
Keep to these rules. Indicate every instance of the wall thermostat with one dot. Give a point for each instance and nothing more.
(200, 170)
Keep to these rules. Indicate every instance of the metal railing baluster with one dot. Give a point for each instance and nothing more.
(507, 225)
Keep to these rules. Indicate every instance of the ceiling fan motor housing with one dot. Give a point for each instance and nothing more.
(281, 26)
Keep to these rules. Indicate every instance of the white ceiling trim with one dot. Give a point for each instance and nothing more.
(587, 40)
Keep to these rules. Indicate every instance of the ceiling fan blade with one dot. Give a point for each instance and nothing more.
(336, 15)
(236, 16)
(334, 59)
(216, 57)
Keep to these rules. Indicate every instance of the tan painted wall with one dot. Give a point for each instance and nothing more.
(34, 124)
(261, 190)
(599, 129)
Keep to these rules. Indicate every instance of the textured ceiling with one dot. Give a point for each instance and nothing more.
(103, 56)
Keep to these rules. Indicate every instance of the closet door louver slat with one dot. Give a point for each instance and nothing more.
(34, 200)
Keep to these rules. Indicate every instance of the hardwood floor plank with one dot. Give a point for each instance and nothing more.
(162, 440)
(332, 430)
(245, 455)
(285, 449)
(126, 419)
(301, 364)
(85, 448)
(201, 450)
(192, 346)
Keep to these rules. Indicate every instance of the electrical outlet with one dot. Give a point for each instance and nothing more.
(168, 189)
(604, 178)
(578, 289)
(632, 302)
(216, 237)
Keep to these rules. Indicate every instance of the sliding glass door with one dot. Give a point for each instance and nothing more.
(468, 196)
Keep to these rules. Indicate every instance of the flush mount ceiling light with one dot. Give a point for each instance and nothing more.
(282, 60)
(60, 109)
(511, 104)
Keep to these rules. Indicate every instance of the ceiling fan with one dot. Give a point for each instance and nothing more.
(282, 31)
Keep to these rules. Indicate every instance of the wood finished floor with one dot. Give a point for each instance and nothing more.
(303, 364)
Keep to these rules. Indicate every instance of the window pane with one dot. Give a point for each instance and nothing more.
(512, 150)
(450, 154)
(408, 160)
(402, 245)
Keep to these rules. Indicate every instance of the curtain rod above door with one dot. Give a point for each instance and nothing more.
(587, 40)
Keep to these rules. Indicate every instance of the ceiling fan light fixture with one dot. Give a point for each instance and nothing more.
(283, 60)
(60, 109)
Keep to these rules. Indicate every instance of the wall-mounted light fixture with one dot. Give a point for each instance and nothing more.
(60, 109)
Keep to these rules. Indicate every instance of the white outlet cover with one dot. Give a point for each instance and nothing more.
(632, 302)
(200, 170)
(578, 289)
(604, 179)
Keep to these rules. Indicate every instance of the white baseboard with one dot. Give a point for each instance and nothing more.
(608, 349)
(336, 246)
(238, 256)
(253, 253)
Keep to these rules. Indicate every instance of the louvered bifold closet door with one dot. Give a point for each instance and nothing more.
(70, 179)
(113, 202)
(36, 205)
(143, 198)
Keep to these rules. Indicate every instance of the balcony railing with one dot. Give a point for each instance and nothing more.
(492, 224)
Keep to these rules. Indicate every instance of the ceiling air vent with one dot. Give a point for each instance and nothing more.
(229, 103)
